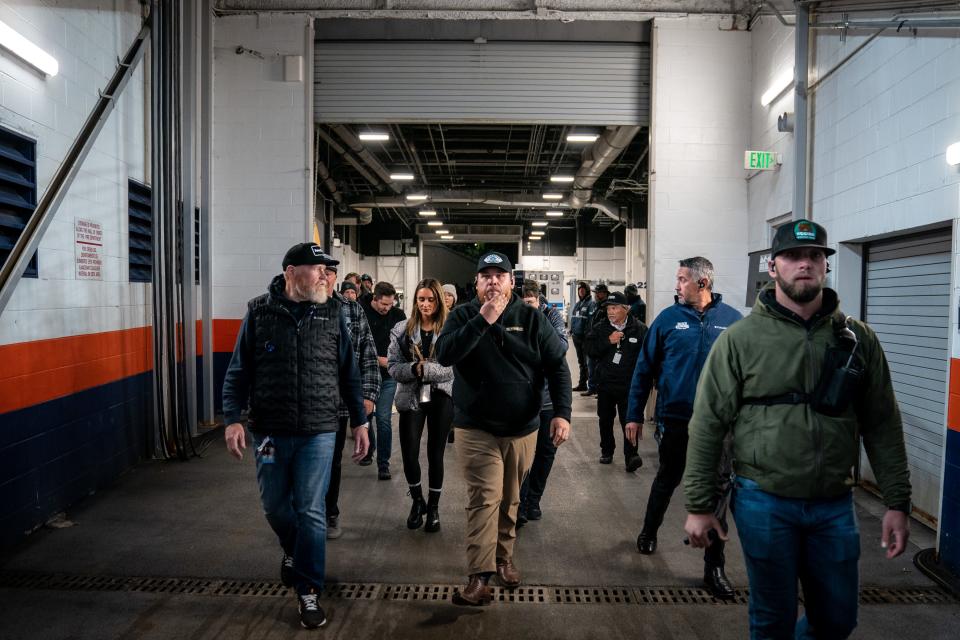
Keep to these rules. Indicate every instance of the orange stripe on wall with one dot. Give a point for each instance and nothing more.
(953, 401)
(41, 370)
(225, 335)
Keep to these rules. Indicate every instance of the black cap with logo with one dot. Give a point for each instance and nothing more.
(307, 253)
(801, 233)
(348, 286)
(615, 298)
(494, 259)
(601, 288)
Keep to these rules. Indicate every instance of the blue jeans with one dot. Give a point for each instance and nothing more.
(785, 540)
(591, 373)
(292, 490)
(381, 440)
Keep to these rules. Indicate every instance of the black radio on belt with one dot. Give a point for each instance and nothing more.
(841, 374)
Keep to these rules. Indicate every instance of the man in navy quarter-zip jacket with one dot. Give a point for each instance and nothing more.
(674, 352)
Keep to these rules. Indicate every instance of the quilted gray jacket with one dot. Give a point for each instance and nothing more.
(400, 365)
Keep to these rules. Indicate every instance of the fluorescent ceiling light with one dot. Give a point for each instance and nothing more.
(779, 86)
(441, 232)
(27, 51)
(536, 234)
(446, 237)
(539, 223)
(426, 213)
(533, 238)
(417, 197)
(553, 196)
(582, 137)
(953, 154)
(435, 223)
(561, 178)
(401, 176)
(374, 136)
(554, 214)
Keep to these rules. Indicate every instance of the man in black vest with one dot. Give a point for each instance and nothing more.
(292, 361)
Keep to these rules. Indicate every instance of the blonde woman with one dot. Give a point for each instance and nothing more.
(424, 390)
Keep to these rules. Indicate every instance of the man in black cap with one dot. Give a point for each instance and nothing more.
(502, 351)
(292, 361)
(600, 292)
(797, 384)
(365, 295)
(615, 344)
(349, 291)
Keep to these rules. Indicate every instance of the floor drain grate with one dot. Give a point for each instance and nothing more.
(371, 591)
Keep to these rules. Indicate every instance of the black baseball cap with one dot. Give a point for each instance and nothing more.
(615, 298)
(801, 233)
(601, 287)
(348, 286)
(494, 259)
(366, 277)
(307, 253)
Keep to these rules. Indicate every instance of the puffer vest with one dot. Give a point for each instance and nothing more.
(297, 385)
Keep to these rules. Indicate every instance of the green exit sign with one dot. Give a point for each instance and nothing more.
(761, 160)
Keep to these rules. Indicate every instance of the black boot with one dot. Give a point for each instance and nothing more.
(415, 519)
(717, 583)
(433, 512)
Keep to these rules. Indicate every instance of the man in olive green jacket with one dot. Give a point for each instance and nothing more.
(797, 383)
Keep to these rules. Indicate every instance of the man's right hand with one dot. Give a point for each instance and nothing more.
(493, 308)
(236, 439)
(698, 529)
(382, 361)
(615, 337)
(634, 432)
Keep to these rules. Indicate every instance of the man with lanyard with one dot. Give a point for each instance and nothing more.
(673, 355)
(579, 325)
(796, 383)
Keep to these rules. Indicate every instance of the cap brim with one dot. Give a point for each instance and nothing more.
(827, 251)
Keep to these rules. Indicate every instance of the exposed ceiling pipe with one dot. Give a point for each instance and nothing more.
(357, 147)
(595, 161)
(356, 164)
(329, 183)
(356, 217)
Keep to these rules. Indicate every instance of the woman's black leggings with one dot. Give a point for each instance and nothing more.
(438, 414)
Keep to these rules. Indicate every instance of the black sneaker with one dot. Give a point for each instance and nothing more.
(634, 463)
(287, 574)
(606, 459)
(533, 512)
(384, 473)
(311, 614)
(588, 392)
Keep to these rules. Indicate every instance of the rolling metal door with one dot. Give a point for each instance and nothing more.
(496, 82)
(908, 305)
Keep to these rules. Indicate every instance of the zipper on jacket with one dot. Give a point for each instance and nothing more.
(817, 426)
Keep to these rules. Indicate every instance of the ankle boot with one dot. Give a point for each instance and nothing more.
(419, 507)
(433, 512)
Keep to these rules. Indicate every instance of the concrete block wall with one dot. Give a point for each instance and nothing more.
(700, 128)
(76, 354)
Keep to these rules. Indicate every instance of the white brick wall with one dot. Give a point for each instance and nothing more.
(700, 128)
(261, 171)
(86, 43)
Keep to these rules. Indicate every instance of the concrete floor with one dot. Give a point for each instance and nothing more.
(202, 519)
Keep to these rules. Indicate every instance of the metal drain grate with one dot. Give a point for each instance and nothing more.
(371, 591)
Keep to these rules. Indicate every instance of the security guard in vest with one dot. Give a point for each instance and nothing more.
(292, 362)
(798, 384)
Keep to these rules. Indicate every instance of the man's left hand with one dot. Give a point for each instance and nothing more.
(698, 527)
(896, 532)
(559, 431)
(368, 407)
(361, 442)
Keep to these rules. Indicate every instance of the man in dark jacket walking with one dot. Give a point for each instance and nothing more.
(292, 361)
(580, 319)
(614, 344)
(673, 355)
(502, 351)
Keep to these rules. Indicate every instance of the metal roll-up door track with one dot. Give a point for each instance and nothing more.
(907, 300)
(495, 82)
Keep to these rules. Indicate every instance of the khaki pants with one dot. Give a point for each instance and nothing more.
(494, 468)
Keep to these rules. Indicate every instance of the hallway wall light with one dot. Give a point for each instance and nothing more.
(953, 154)
(27, 51)
(779, 86)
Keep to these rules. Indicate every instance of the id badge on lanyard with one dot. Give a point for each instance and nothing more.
(616, 357)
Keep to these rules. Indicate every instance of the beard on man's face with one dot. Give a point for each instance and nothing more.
(800, 292)
(313, 292)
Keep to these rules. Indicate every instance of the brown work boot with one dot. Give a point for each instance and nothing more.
(509, 575)
(475, 594)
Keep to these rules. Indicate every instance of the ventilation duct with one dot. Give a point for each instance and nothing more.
(594, 162)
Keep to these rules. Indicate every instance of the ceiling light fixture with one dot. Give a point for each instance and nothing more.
(374, 136)
(554, 214)
(539, 223)
(561, 178)
(533, 238)
(553, 196)
(441, 232)
(435, 223)
(779, 86)
(953, 154)
(27, 51)
(417, 197)
(582, 137)
(427, 213)
(401, 176)
(446, 237)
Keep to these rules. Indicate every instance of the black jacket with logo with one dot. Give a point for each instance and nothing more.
(499, 369)
(615, 377)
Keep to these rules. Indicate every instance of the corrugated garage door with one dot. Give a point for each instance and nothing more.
(908, 304)
(509, 82)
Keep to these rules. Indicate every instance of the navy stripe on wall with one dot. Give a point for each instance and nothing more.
(950, 512)
(58, 452)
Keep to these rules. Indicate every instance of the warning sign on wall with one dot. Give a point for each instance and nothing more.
(89, 252)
